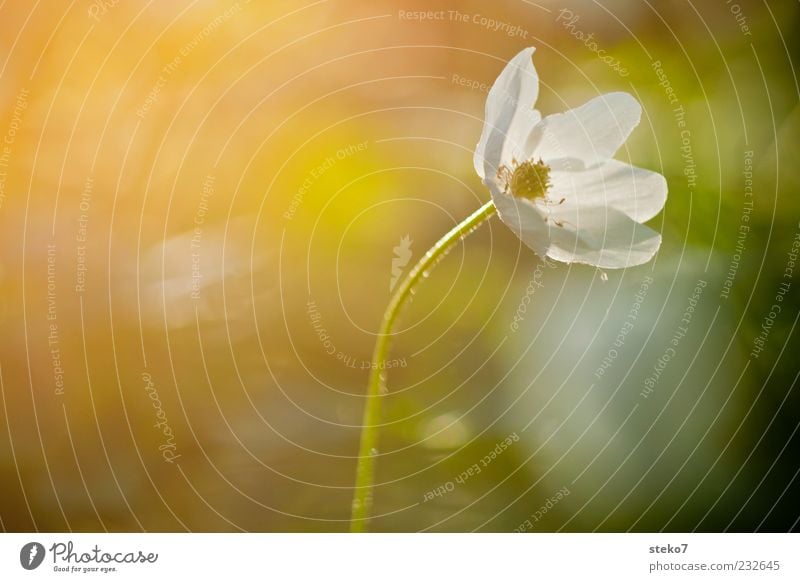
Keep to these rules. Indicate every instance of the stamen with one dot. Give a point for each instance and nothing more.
(530, 180)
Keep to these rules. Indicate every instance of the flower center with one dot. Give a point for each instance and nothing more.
(530, 180)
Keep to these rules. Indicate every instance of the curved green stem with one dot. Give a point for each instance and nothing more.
(376, 389)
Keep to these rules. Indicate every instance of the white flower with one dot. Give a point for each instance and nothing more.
(554, 181)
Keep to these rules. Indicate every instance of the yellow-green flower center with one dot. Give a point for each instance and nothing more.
(530, 180)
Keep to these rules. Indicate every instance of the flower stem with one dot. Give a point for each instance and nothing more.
(376, 389)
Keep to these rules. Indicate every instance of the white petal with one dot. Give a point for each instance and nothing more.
(639, 193)
(599, 236)
(590, 134)
(509, 116)
(525, 219)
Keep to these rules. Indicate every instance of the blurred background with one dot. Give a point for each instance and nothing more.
(204, 205)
